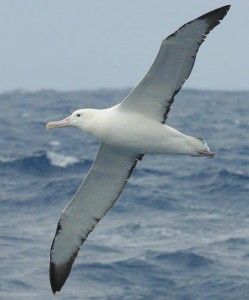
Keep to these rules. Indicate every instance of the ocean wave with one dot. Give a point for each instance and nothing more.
(186, 258)
(229, 181)
(59, 160)
(41, 161)
(182, 258)
(232, 242)
(233, 174)
(6, 159)
(134, 263)
(223, 179)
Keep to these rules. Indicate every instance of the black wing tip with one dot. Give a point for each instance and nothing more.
(56, 285)
(58, 274)
(217, 14)
(213, 18)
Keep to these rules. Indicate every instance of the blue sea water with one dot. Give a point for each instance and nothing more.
(180, 229)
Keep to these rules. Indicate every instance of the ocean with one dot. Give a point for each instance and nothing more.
(180, 229)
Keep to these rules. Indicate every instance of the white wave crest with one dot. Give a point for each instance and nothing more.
(55, 143)
(60, 160)
(6, 159)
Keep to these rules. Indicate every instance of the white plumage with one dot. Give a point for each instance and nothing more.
(128, 131)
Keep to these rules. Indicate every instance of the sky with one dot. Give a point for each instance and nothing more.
(91, 44)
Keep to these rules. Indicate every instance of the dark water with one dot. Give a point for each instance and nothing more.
(180, 230)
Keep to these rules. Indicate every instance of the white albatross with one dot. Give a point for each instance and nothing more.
(128, 131)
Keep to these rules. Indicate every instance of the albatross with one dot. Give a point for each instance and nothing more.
(128, 131)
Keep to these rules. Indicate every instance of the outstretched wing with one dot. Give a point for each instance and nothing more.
(101, 188)
(154, 95)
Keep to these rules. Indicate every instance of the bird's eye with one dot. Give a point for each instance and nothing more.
(78, 115)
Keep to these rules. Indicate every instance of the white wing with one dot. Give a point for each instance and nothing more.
(102, 186)
(154, 95)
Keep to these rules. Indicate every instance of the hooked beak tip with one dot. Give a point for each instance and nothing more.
(49, 126)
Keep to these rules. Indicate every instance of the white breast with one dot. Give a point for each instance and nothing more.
(137, 133)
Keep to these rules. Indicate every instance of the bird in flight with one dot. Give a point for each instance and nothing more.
(128, 131)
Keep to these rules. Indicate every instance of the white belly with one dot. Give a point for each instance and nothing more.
(137, 133)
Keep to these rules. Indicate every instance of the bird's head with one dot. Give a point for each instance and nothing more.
(80, 118)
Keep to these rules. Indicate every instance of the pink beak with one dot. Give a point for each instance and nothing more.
(62, 123)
